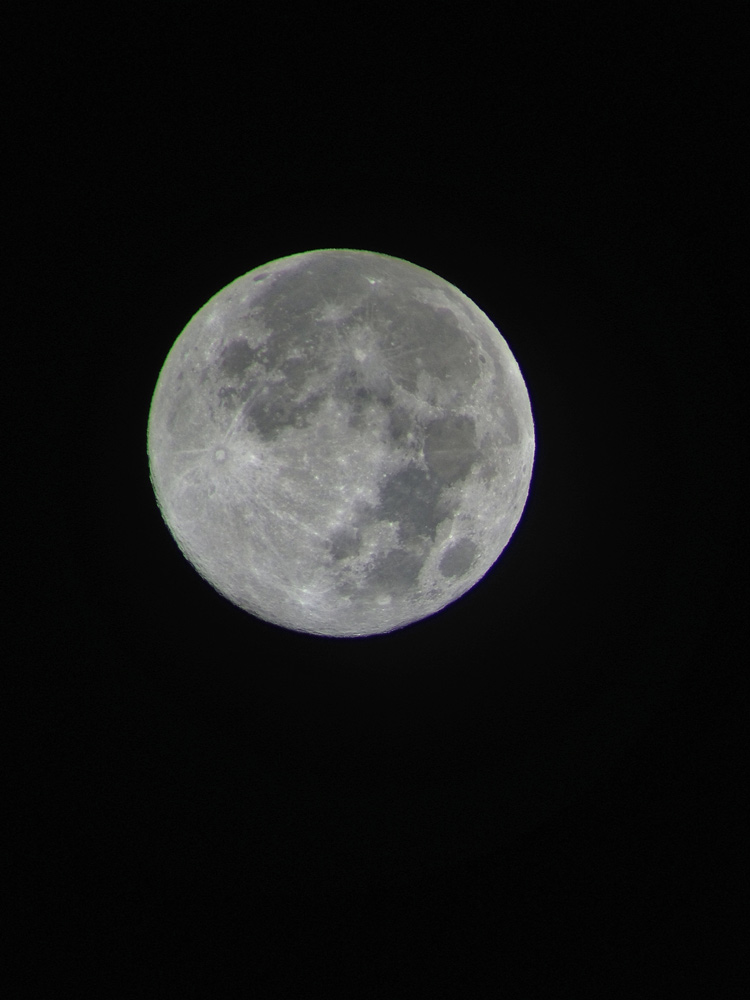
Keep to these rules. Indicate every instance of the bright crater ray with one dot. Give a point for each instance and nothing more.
(341, 442)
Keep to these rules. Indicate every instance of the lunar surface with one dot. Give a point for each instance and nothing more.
(341, 442)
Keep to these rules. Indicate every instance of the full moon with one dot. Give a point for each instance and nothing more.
(341, 442)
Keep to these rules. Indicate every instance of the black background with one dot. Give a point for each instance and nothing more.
(537, 788)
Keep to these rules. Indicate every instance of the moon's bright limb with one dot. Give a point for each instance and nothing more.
(341, 442)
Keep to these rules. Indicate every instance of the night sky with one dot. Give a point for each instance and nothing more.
(538, 787)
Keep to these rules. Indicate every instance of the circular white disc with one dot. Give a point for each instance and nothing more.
(341, 442)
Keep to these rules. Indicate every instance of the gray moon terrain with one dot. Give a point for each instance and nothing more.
(341, 442)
